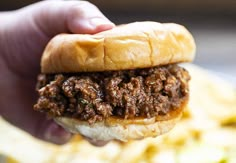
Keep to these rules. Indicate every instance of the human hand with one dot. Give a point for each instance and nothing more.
(24, 34)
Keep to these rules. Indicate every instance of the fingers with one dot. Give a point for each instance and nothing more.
(98, 143)
(49, 131)
(28, 30)
(86, 18)
(55, 17)
(16, 108)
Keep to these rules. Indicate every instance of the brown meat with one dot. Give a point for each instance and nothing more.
(126, 94)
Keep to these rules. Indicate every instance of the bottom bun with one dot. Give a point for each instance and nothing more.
(123, 130)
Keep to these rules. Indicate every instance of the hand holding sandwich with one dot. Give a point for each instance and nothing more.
(24, 34)
(123, 83)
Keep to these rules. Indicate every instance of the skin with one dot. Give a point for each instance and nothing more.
(24, 34)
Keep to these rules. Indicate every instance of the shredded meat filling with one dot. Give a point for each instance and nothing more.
(127, 94)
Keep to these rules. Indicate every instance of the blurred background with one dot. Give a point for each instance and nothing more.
(207, 130)
(212, 22)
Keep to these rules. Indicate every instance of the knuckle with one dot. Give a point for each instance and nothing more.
(86, 4)
(83, 6)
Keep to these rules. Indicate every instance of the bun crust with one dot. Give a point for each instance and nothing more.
(103, 131)
(130, 46)
(123, 129)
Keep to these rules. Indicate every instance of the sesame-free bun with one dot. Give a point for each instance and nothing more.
(130, 46)
(121, 129)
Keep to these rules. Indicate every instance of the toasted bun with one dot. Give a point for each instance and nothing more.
(135, 45)
(106, 131)
(123, 129)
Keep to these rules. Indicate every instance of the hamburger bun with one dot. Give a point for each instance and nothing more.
(130, 46)
(120, 129)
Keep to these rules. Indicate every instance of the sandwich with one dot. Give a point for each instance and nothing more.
(120, 84)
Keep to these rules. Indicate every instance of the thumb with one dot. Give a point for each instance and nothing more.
(55, 17)
(29, 29)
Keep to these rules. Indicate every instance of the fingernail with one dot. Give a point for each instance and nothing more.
(101, 22)
(56, 134)
(90, 25)
(98, 143)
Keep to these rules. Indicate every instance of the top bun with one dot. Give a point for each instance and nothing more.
(130, 46)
